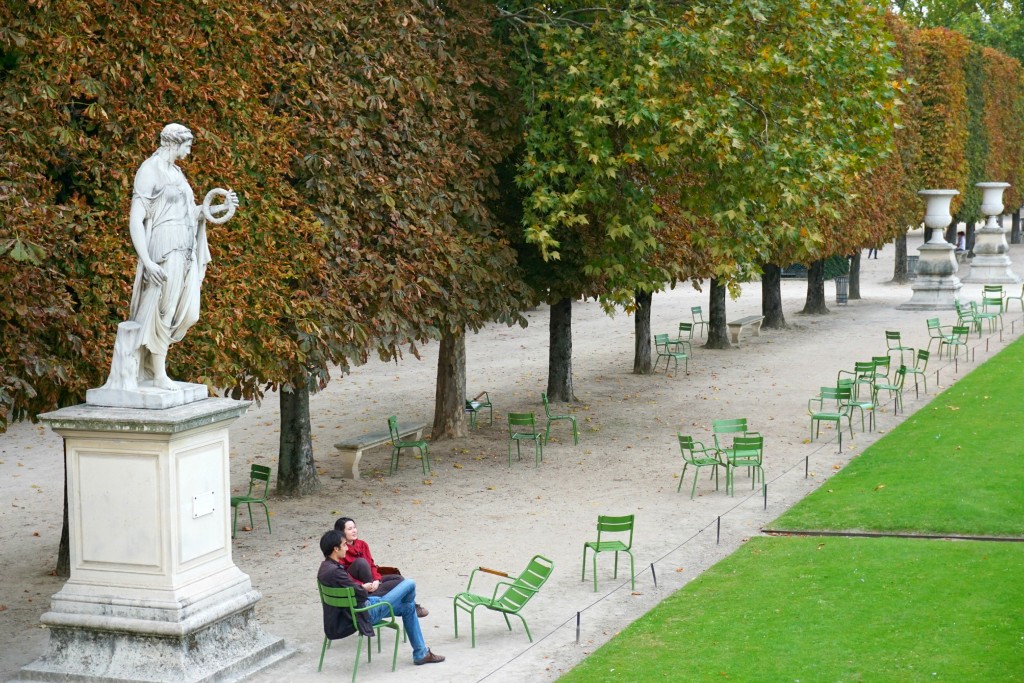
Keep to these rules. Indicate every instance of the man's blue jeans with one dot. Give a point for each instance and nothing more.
(403, 600)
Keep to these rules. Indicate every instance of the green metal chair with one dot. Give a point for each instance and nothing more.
(732, 426)
(895, 389)
(508, 597)
(694, 453)
(746, 451)
(863, 374)
(397, 445)
(685, 337)
(882, 364)
(840, 397)
(893, 342)
(616, 526)
(956, 340)
(935, 332)
(259, 477)
(864, 406)
(669, 350)
(965, 316)
(920, 367)
(993, 291)
(698, 319)
(1018, 299)
(991, 310)
(345, 598)
(523, 427)
(554, 418)
(476, 405)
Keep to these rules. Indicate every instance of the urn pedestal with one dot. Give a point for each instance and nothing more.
(936, 285)
(991, 263)
(153, 593)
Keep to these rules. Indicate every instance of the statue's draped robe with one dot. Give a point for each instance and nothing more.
(176, 241)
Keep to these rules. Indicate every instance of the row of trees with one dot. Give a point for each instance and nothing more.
(411, 170)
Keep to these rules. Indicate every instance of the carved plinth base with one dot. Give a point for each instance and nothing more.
(147, 396)
(228, 649)
(933, 294)
(992, 270)
(153, 595)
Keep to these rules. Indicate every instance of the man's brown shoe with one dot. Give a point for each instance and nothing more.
(431, 658)
(421, 611)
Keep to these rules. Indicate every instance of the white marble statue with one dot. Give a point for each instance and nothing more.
(168, 231)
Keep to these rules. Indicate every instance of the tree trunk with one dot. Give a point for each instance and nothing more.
(899, 272)
(63, 567)
(970, 238)
(642, 332)
(296, 471)
(771, 297)
(450, 392)
(1015, 227)
(560, 352)
(855, 275)
(815, 303)
(718, 334)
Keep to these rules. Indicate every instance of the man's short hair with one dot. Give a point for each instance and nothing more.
(329, 541)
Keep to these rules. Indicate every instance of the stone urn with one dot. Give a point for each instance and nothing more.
(991, 263)
(936, 286)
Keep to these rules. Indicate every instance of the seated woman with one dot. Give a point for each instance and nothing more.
(360, 564)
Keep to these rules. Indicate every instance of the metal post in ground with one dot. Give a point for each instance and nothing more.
(718, 531)
(577, 628)
(654, 576)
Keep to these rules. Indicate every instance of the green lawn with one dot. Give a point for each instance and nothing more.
(957, 466)
(801, 609)
(833, 609)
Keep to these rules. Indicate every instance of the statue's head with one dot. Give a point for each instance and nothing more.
(174, 136)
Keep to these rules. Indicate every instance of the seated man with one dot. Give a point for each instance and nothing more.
(402, 598)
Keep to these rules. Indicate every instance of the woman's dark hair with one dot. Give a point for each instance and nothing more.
(342, 521)
(329, 541)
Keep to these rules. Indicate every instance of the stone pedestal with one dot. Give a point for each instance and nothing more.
(936, 286)
(153, 594)
(991, 262)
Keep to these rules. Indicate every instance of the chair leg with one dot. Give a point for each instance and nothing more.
(234, 520)
(683, 476)
(575, 433)
(547, 432)
(267, 510)
(425, 458)
(323, 650)
(359, 647)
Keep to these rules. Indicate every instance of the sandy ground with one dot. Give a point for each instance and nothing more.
(475, 510)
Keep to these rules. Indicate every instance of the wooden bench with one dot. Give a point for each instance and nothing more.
(352, 449)
(736, 326)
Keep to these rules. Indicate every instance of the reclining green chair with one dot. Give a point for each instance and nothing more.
(508, 597)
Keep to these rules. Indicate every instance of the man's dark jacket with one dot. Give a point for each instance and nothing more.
(338, 621)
